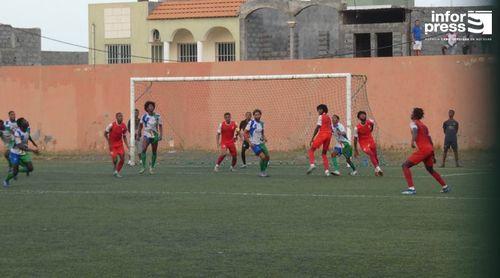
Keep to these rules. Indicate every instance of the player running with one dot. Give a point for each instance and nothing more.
(6, 137)
(116, 135)
(421, 139)
(256, 139)
(226, 138)
(19, 153)
(245, 146)
(152, 124)
(321, 138)
(343, 147)
(363, 135)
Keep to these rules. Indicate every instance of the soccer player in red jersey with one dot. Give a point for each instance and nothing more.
(116, 135)
(421, 139)
(226, 138)
(363, 136)
(321, 138)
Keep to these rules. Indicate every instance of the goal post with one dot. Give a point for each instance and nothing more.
(214, 94)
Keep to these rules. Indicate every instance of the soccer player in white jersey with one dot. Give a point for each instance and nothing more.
(343, 146)
(151, 128)
(9, 126)
(255, 137)
(19, 153)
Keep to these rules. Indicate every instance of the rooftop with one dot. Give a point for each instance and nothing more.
(178, 9)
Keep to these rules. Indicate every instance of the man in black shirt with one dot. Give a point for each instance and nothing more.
(245, 146)
(450, 128)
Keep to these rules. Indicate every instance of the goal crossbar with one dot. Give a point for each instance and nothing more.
(134, 80)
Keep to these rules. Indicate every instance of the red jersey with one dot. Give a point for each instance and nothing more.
(423, 139)
(325, 124)
(116, 132)
(364, 132)
(227, 132)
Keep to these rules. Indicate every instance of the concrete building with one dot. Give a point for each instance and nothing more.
(230, 30)
(23, 47)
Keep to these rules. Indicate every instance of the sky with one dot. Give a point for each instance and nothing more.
(67, 19)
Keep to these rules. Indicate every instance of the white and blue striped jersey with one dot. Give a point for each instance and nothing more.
(151, 124)
(256, 131)
(20, 137)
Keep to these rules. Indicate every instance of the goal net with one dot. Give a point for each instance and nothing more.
(193, 107)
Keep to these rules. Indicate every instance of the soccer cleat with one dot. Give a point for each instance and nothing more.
(151, 170)
(327, 173)
(311, 169)
(216, 168)
(336, 173)
(446, 189)
(243, 166)
(142, 170)
(263, 175)
(6, 184)
(409, 192)
(131, 163)
(379, 173)
(354, 173)
(232, 169)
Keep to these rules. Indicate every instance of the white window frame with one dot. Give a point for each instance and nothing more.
(225, 51)
(118, 53)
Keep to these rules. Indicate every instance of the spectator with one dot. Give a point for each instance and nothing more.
(450, 44)
(417, 38)
(450, 128)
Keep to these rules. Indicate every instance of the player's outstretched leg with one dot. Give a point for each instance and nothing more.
(409, 179)
(119, 165)
(264, 161)
(154, 153)
(372, 154)
(219, 161)
(312, 165)
(444, 187)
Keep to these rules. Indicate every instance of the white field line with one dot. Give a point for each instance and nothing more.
(240, 194)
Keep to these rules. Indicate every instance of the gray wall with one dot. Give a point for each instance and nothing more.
(64, 58)
(19, 46)
(318, 32)
(267, 35)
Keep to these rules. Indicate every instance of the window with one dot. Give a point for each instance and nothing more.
(118, 53)
(156, 36)
(225, 51)
(157, 53)
(362, 45)
(187, 52)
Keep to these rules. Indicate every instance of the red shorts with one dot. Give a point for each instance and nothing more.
(368, 147)
(117, 151)
(425, 156)
(229, 146)
(322, 139)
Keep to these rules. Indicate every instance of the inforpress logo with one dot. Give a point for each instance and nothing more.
(480, 22)
(476, 22)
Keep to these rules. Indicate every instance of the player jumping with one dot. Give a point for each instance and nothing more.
(425, 153)
(116, 135)
(152, 124)
(321, 138)
(343, 147)
(226, 138)
(244, 146)
(363, 134)
(19, 153)
(254, 135)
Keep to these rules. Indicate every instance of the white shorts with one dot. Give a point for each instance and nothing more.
(417, 45)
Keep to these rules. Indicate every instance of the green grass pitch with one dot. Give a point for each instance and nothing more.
(72, 218)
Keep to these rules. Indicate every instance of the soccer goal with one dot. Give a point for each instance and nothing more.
(192, 107)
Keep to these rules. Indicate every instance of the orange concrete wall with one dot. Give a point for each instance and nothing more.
(69, 106)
